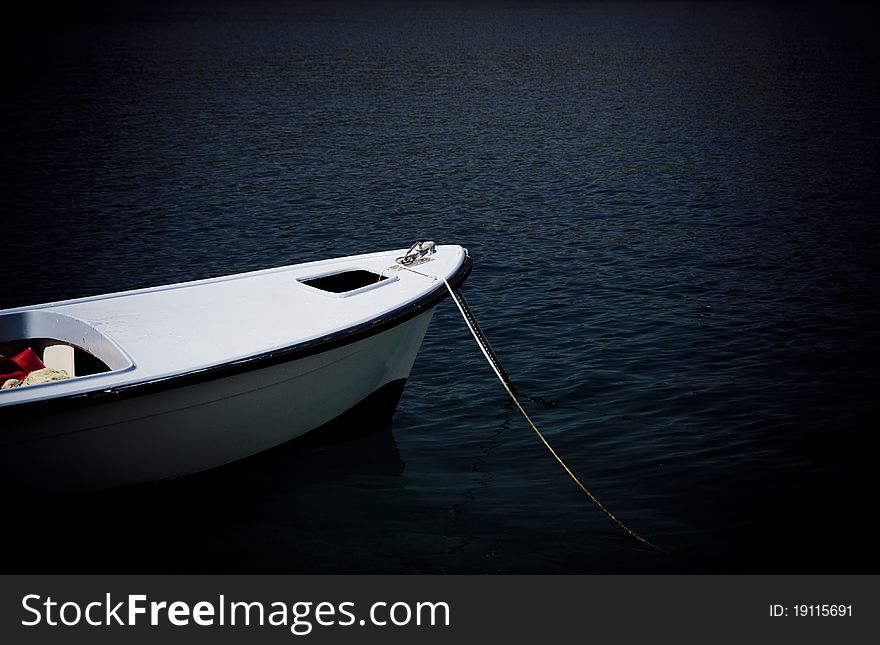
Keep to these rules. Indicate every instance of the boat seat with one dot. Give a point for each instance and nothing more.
(59, 357)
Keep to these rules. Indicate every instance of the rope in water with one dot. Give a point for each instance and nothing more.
(495, 364)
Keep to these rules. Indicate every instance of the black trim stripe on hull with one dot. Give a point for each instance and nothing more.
(251, 363)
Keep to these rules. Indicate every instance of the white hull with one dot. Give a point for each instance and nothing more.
(136, 423)
(191, 429)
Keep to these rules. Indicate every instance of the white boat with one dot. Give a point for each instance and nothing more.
(181, 378)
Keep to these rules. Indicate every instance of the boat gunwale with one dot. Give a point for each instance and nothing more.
(277, 356)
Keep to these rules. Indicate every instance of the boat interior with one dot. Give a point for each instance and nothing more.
(60, 342)
(57, 354)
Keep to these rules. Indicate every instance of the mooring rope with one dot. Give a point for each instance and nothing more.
(495, 364)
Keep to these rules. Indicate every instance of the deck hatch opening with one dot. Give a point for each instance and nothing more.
(345, 281)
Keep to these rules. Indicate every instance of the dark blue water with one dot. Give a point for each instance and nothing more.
(672, 211)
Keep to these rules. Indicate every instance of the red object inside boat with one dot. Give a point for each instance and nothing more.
(20, 365)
